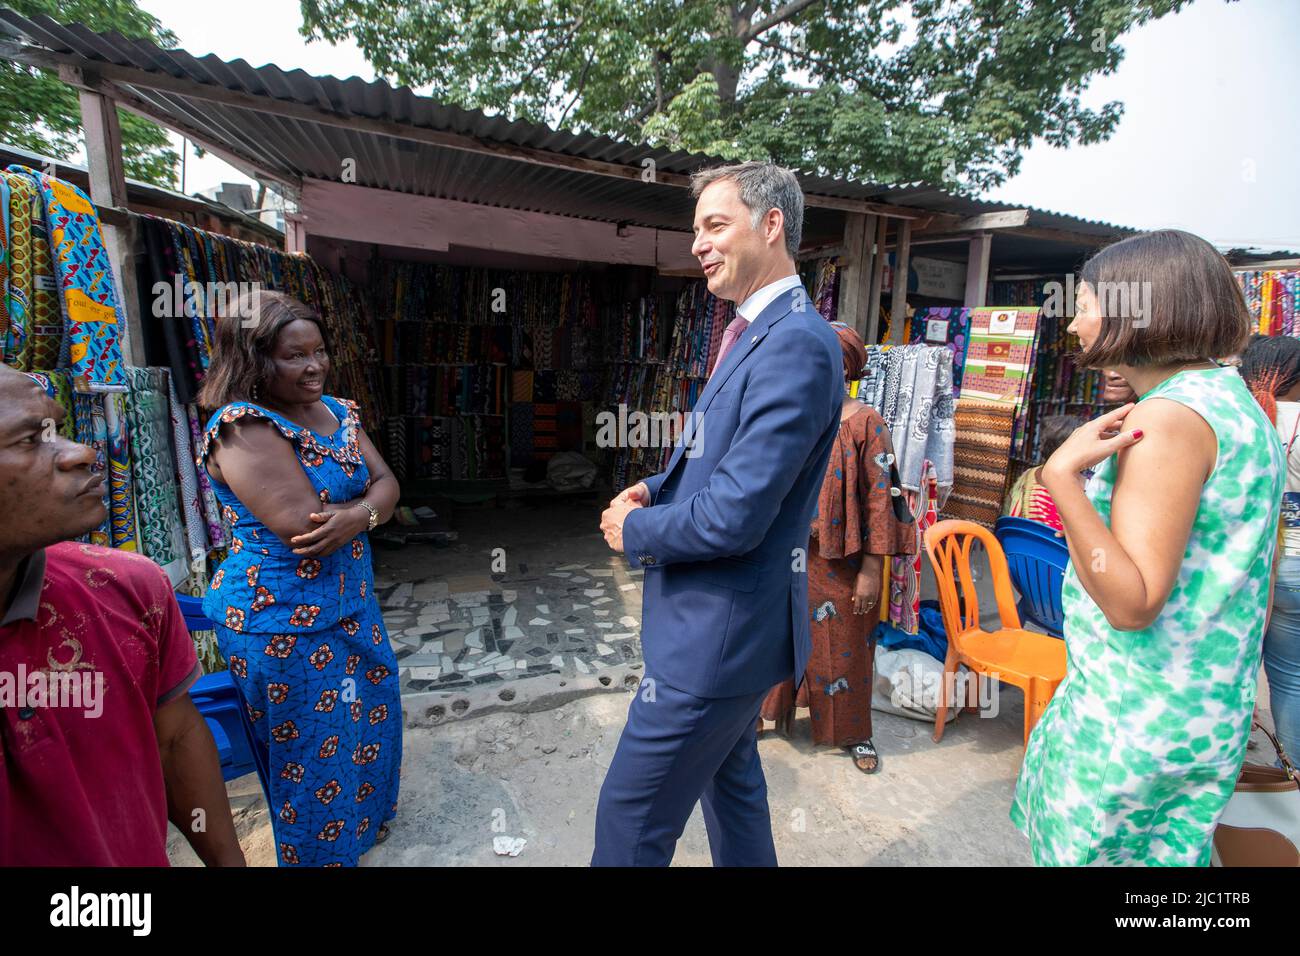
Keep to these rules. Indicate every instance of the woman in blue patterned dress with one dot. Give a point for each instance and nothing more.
(301, 485)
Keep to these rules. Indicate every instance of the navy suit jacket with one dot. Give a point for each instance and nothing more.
(723, 544)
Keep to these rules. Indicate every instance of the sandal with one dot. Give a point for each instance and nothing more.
(382, 833)
(862, 752)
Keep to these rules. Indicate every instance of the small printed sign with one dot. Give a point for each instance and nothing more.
(1002, 323)
(936, 330)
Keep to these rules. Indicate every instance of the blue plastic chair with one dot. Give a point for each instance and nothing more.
(218, 699)
(1036, 559)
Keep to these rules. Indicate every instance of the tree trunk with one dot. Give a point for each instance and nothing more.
(726, 74)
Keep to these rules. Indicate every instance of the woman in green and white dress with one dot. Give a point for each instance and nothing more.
(1171, 548)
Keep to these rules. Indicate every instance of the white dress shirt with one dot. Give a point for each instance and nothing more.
(753, 307)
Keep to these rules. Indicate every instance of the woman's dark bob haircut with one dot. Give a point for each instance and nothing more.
(242, 365)
(1165, 297)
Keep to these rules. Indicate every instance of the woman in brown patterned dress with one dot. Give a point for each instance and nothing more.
(858, 523)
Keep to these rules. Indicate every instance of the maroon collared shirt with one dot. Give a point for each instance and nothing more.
(81, 779)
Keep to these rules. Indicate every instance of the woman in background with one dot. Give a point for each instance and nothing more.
(1115, 389)
(855, 528)
(1029, 498)
(1270, 367)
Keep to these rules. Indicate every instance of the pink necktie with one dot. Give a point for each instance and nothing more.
(735, 329)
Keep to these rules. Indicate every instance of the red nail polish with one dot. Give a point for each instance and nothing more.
(1137, 433)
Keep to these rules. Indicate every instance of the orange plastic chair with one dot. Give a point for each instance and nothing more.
(1033, 662)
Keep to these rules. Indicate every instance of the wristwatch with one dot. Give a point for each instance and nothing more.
(374, 513)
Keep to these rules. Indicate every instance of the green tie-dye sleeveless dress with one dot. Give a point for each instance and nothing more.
(1139, 750)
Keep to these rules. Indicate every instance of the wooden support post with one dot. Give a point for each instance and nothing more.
(108, 189)
(977, 270)
(877, 282)
(855, 279)
(898, 308)
(295, 232)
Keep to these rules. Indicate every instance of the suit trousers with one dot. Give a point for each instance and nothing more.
(676, 750)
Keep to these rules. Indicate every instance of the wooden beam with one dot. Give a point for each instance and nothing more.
(1266, 266)
(1007, 219)
(165, 82)
(108, 188)
(1062, 235)
(898, 308)
(825, 250)
(872, 324)
(855, 277)
(977, 270)
(295, 232)
(948, 231)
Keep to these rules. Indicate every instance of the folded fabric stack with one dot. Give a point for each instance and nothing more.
(453, 448)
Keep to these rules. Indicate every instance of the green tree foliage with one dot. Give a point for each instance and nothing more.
(40, 112)
(946, 91)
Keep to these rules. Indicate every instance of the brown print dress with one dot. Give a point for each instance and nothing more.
(855, 516)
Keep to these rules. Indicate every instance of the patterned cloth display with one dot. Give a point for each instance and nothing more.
(33, 336)
(980, 456)
(92, 313)
(208, 270)
(196, 536)
(1272, 298)
(1000, 355)
(156, 499)
(911, 387)
(945, 326)
(91, 429)
(1000, 362)
(905, 569)
(673, 385)
(462, 346)
(121, 493)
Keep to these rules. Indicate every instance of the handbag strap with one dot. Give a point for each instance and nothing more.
(1290, 769)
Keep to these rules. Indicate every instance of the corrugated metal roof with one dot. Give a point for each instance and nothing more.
(141, 192)
(318, 150)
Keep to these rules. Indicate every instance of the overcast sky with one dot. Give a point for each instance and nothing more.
(1210, 139)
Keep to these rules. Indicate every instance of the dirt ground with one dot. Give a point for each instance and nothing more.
(536, 776)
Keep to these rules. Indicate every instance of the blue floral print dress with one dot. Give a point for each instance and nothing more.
(307, 646)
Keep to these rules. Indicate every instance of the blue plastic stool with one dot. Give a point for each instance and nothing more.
(222, 705)
(1037, 560)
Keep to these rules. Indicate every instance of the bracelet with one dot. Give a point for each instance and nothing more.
(374, 514)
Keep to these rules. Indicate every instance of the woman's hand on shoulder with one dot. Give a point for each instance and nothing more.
(1089, 445)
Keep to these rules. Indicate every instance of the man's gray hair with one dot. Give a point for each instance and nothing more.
(762, 186)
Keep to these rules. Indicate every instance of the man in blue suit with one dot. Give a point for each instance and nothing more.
(722, 534)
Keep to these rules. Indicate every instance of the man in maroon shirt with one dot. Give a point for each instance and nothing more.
(100, 745)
